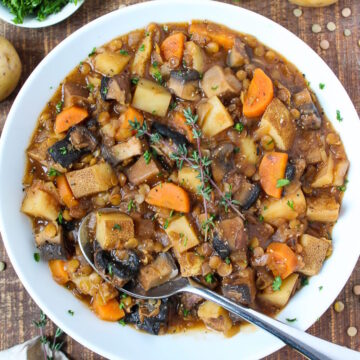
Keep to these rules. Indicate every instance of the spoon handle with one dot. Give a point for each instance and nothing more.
(308, 345)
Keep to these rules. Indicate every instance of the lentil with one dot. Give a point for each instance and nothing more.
(316, 28)
(2, 266)
(324, 44)
(331, 26)
(347, 32)
(339, 306)
(297, 12)
(352, 331)
(356, 290)
(346, 12)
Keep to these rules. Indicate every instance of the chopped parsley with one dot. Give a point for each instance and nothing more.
(121, 305)
(338, 116)
(116, 227)
(282, 182)
(290, 204)
(147, 156)
(261, 218)
(155, 64)
(110, 270)
(322, 86)
(320, 288)
(239, 127)
(93, 51)
(104, 90)
(124, 52)
(158, 77)
(142, 47)
(304, 281)
(209, 278)
(166, 224)
(71, 312)
(291, 320)
(277, 283)
(186, 312)
(53, 172)
(134, 80)
(122, 322)
(131, 205)
(236, 150)
(37, 257)
(343, 187)
(227, 260)
(173, 105)
(90, 87)
(171, 213)
(214, 87)
(63, 150)
(60, 218)
(58, 106)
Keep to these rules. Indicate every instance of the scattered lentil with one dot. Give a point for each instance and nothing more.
(331, 26)
(352, 331)
(324, 44)
(297, 12)
(347, 32)
(316, 28)
(339, 306)
(2, 266)
(359, 42)
(346, 12)
(356, 289)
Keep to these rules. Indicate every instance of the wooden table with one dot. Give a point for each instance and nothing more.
(17, 309)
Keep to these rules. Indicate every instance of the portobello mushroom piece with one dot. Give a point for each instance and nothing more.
(74, 94)
(167, 133)
(240, 286)
(310, 118)
(237, 56)
(120, 266)
(221, 246)
(290, 172)
(151, 316)
(185, 84)
(222, 161)
(247, 195)
(116, 88)
(82, 139)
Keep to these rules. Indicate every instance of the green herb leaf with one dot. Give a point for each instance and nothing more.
(90, 87)
(110, 270)
(53, 172)
(282, 182)
(147, 156)
(166, 224)
(304, 281)
(291, 320)
(239, 127)
(142, 47)
(122, 322)
(343, 187)
(124, 52)
(116, 227)
(186, 312)
(58, 332)
(321, 86)
(261, 218)
(320, 288)
(93, 51)
(37, 257)
(71, 312)
(209, 278)
(338, 116)
(121, 305)
(134, 80)
(158, 77)
(227, 260)
(58, 106)
(63, 150)
(290, 204)
(277, 283)
(131, 205)
(60, 218)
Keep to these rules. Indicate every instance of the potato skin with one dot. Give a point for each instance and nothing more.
(10, 68)
(313, 3)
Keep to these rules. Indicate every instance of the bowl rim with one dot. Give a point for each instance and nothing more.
(350, 110)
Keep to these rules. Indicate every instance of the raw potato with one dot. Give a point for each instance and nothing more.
(110, 64)
(313, 3)
(10, 68)
(214, 316)
(151, 97)
(281, 297)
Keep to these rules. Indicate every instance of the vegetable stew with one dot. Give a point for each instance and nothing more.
(218, 156)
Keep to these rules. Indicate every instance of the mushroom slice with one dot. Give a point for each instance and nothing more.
(237, 56)
(116, 88)
(185, 84)
(309, 115)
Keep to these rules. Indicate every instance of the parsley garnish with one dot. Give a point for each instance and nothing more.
(277, 283)
(239, 127)
(261, 218)
(116, 227)
(60, 218)
(173, 105)
(320, 288)
(104, 90)
(236, 150)
(59, 106)
(90, 87)
(37, 257)
(131, 205)
(321, 86)
(53, 172)
(166, 224)
(147, 156)
(63, 150)
(158, 77)
(124, 52)
(342, 187)
(304, 281)
(135, 80)
(155, 64)
(227, 260)
(121, 305)
(338, 116)
(142, 47)
(290, 204)
(71, 312)
(186, 312)
(93, 51)
(214, 87)
(209, 278)
(291, 320)
(110, 270)
(122, 322)
(282, 182)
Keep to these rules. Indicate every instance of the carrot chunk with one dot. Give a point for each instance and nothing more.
(69, 117)
(170, 196)
(108, 311)
(272, 168)
(173, 47)
(259, 94)
(282, 260)
(65, 192)
(125, 130)
(59, 274)
(180, 124)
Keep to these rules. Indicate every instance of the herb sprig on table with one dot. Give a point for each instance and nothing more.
(39, 8)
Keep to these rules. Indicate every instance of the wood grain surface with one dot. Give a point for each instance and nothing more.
(17, 309)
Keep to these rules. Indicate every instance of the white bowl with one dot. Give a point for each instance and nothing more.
(110, 339)
(31, 22)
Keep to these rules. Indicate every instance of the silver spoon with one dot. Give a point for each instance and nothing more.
(308, 345)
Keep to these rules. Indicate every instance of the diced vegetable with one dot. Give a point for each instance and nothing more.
(57, 268)
(151, 97)
(194, 57)
(281, 297)
(249, 150)
(325, 175)
(282, 260)
(125, 130)
(278, 123)
(111, 63)
(216, 119)
(85, 284)
(179, 122)
(91, 180)
(189, 178)
(182, 234)
(128, 149)
(237, 56)
(323, 208)
(214, 316)
(272, 168)
(69, 117)
(173, 47)
(259, 94)
(340, 170)
(190, 264)
(141, 172)
(65, 192)
(113, 229)
(74, 94)
(233, 233)
(185, 84)
(170, 196)
(275, 210)
(314, 252)
(108, 311)
(142, 56)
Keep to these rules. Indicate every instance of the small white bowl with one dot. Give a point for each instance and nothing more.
(31, 22)
(111, 340)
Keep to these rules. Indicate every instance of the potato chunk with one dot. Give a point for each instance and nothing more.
(91, 180)
(288, 207)
(189, 179)
(113, 229)
(39, 203)
(322, 208)
(127, 149)
(277, 122)
(249, 150)
(216, 119)
(340, 171)
(194, 56)
(158, 272)
(190, 264)
(151, 97)
(214, 316)
(142, 172)
(110, 64)
(182, 234)
(142, 56)
(281, 297)
(325, 175)
(314, 253)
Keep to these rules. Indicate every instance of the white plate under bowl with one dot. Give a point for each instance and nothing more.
(31, 22)
(110, 339)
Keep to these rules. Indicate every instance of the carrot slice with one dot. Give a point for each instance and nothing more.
(180, 124)
(215, 33)
(125, 130)
(108, 311)
(59, 274)
(170, 196)
(259, 94)
(272, 168)
(65, 192)
(173, 46)
(69, 117)
(282, 260)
